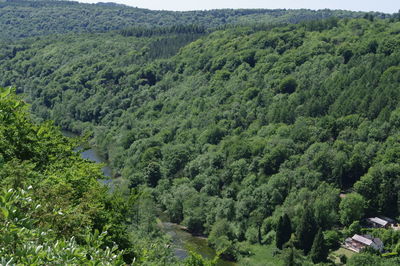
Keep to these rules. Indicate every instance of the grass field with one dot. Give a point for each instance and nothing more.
(334, 256)
(263, 256)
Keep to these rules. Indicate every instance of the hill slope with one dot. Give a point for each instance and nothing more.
(52, 206)
(240, 126)
(21, 18)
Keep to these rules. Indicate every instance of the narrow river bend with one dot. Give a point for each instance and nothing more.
(182, 240)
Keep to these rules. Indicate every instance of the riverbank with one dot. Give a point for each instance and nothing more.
(183, 242)
(91, 154)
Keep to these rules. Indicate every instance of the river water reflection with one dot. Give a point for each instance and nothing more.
(183, 242)
(93, 155)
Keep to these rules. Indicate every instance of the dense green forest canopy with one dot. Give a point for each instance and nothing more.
(54, 208)
(51, 202)
(240, 126)
(20, 18)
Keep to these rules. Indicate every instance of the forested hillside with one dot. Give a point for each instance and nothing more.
(55, 209)
(52, 206)
(241, 127)
(24, 18)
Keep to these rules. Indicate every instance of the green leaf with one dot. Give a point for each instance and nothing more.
(5, 93)
(5, 212)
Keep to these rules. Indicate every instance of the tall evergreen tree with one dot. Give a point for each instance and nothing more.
(153, 174)
(319, 251)
(306, 231)
(283, 231)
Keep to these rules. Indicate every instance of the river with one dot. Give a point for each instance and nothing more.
(182, 240)
(93, 155)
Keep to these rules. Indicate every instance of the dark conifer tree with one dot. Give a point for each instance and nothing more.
(283, 231)
(306, 231)
(319, 251)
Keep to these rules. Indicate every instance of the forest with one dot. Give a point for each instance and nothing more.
(26, 18)
(272, 132)
(54, 210)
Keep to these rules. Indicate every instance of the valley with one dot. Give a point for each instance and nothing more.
(271, 134)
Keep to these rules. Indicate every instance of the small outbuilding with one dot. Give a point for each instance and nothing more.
(378, 222)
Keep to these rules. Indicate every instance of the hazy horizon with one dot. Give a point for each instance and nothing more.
(386, 6)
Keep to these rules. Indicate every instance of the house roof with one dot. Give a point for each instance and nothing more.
(378, 221)
(362, 240)
(389, 220)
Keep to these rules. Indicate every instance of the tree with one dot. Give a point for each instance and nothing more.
(347, 53)
(57, 200)
(306, 230)
(153, 174)
(343, 258)
(213, 135)
(291, 256)
(354, 228)
(319, 251)
(287, 85)
(363, 259)
(283, 231)
(257, 218)
(332, 239)
(221, 239)
(175, 158)
(351, 208)
(196, 259)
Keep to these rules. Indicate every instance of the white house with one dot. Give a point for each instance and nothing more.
(358, 242)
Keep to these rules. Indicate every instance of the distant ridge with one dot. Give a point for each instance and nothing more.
(27, 18)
